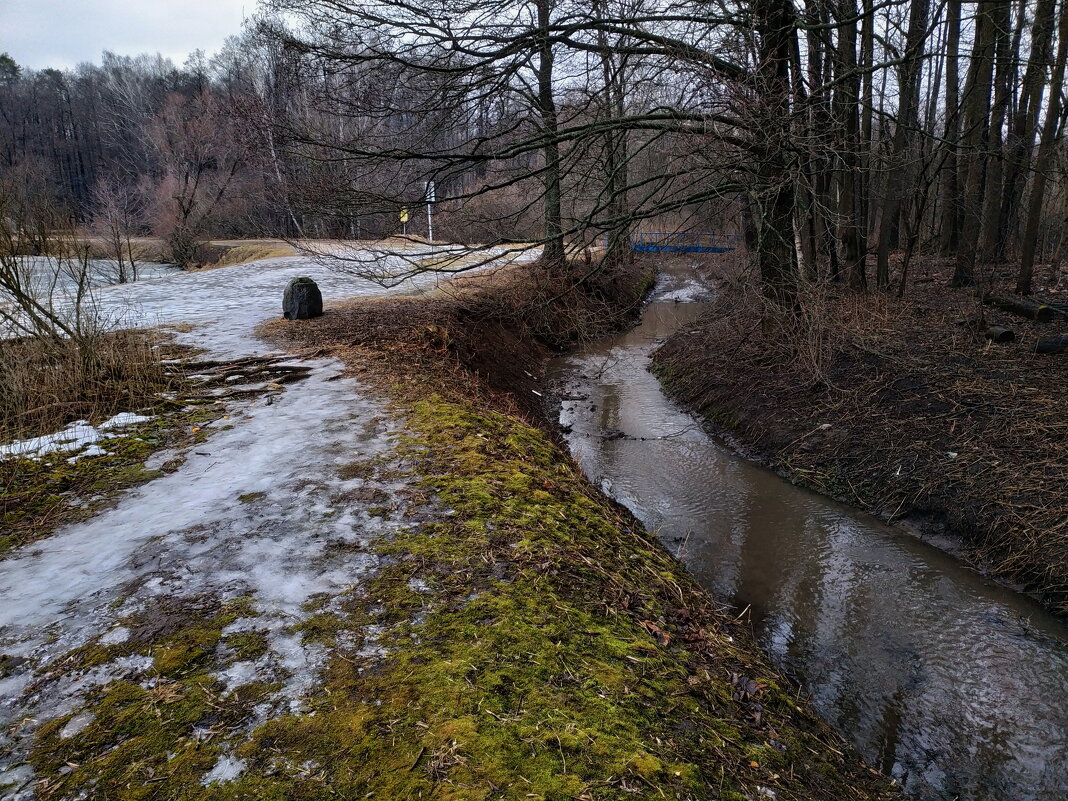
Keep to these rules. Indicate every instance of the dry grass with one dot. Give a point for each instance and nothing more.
(253, 251)
(48, 383)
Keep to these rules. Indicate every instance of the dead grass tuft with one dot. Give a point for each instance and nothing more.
(47, 383)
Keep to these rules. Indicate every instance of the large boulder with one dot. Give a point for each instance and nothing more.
(302, 300)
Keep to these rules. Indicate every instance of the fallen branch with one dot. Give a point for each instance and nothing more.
(1022, 307)
(1052, 345)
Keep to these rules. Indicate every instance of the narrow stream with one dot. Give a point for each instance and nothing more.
(950, 683)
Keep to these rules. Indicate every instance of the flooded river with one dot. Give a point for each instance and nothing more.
(950, 683)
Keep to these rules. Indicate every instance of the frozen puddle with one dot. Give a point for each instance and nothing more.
(262, 512)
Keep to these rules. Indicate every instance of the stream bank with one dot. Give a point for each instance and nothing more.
(944, 679)
(898, 406)
(548, 646)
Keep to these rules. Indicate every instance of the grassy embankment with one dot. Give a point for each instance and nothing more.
(565, 654)
(522, 637)
(900, 407)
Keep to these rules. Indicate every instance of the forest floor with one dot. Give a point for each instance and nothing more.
(901, 407)
(384, 580)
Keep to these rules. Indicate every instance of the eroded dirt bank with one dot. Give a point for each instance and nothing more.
(900, 407)
(537, 643)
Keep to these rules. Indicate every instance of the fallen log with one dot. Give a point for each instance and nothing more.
(999, 334)
(1052, 345)
(1024, 308)
(1060, 309)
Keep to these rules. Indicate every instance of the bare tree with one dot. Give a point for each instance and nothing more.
(200, 154)
(1044, 158)
(117, 213)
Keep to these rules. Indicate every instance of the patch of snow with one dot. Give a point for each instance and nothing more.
(371, 647)
(74, 437)
(160, 458)
(687, 294)
(226, 769)
(240, 625)
(237, 674)
(18, 780)
(117, 635)
(92, 450)
(77, 724)
(125, 419)
(417, 584)
(680, 289)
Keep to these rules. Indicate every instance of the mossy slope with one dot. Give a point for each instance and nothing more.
(523, 638)
(534, 644)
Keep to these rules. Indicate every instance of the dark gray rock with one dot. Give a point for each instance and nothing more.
(302, 300)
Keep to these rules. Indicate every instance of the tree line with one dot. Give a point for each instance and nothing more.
(841, 138)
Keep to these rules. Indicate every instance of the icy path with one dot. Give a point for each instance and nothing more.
(259, 511)
(225, 305)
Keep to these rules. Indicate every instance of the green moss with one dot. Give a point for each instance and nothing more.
(251, 497)
(322, 627)
(548, 650)
(154, 739)
(248, 645)
(39, 495)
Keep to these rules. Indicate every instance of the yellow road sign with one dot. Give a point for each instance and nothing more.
(404, 215)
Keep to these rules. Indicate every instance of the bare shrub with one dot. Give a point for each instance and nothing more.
(45, 384)
(117, 214)
(61, 357)
(824, 321)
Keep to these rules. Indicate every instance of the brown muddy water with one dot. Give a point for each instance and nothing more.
(945, 680)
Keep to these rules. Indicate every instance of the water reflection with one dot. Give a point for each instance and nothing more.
(950, 683)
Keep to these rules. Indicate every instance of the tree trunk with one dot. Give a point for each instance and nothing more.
(821, 119)
(616, 146)
(776, 251)
(950, 195)
(1044, 159)
(854, 246)
(909, 81)
(991, 225)
(976, 120)
(1025, 123)
(553, 249)
(865, 185)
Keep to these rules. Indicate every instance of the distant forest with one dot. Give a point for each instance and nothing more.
(840, 138)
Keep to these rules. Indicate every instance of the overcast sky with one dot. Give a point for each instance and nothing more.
(63, 33)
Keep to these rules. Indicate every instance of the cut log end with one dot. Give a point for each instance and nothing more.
(1000, 335)
(1052, 345)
